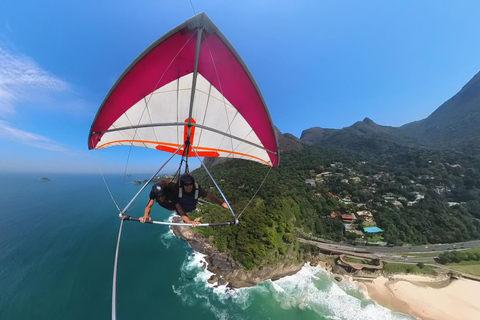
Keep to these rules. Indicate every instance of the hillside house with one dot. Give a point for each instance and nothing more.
(366, 216)
(388, 198)
(397, 203)
(335, 214)
(348, 218)
(324, 174)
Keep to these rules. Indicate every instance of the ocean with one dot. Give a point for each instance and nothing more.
(57, 247)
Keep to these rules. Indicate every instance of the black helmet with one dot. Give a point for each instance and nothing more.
(186, 178)
(158, 191)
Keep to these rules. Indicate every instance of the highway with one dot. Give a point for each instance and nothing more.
(395, 253)
(398, 254)
(426, 248)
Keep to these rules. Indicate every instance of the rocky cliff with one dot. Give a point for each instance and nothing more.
(226, 269)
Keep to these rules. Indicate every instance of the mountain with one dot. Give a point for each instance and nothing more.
(455, 124)
(362, 136)
(315, 135)
(288, 142)
(437, 188)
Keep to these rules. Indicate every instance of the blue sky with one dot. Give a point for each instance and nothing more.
(317, 63)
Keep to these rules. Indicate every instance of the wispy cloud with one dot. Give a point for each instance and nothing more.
(9, 132)
(20, 75)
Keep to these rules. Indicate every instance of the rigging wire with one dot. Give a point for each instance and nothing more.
(147, 101)
(126, 217)
(186, 145)
(193, 8)
(229, 130)
(261, 184)
(148, 181)
(216, 185)
(126, 163)
(186, 150)
(222, 94)
(108, 189)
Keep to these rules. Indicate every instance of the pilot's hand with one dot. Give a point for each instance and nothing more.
(145, 218)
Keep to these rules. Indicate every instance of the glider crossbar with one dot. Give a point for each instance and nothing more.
(216, 185)
(146, 184)
(181, 224)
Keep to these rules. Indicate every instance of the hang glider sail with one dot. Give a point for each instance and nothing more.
(189, 93)
(189, 83)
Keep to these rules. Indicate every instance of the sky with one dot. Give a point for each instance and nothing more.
(318, 63)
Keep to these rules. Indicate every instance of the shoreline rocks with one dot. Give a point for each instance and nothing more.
(227, 270)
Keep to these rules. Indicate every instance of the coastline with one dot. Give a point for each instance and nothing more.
(426, 298)
(225, 269)
(423, 297)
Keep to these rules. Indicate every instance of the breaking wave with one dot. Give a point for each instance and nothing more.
(312, 293)
(313, 288)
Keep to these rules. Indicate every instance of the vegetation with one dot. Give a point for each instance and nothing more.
(372, 262)
(437, 197)
(459, 256)
(469, 267)
(262, 237)
(417, 194)
(389, 267)
(467, 261)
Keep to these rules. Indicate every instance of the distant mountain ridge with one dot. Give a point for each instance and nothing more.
(362, 136)
(454, 125)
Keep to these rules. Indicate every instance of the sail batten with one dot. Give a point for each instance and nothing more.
(160, 94)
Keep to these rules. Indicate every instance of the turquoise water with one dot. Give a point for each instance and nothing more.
(57, 245)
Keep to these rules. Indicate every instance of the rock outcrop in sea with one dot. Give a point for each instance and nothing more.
(226, 269)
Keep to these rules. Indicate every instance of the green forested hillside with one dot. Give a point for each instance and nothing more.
(420, 196)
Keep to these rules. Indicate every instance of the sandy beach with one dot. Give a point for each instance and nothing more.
(428, 298)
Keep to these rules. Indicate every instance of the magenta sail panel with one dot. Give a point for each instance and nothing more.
(150, 102)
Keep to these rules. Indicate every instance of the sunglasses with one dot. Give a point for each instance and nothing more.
(188, 184)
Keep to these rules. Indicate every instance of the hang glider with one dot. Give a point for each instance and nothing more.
(188, 93)
(189, 83)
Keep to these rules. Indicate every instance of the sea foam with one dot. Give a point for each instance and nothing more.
(194, 287)
(314, 288)
(167, 237)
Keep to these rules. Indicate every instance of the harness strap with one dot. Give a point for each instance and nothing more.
(197, 191)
